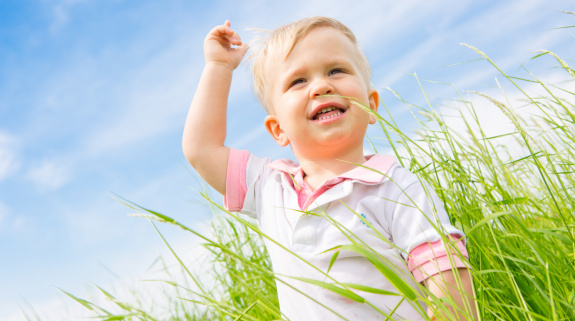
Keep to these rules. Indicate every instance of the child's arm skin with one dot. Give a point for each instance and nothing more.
(445, 284)
(205, 129)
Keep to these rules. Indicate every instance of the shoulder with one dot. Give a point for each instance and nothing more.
(389, 170)
(266, 168)
(402, 176)
(401, 183)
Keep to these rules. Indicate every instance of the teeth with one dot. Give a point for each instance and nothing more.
(328, 117)
(326, 109)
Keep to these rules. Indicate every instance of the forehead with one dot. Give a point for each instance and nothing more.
(325, 39)
(317, 32)
(328, 43)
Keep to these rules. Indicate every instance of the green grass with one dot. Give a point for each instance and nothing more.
(512, 194)
(515, 206)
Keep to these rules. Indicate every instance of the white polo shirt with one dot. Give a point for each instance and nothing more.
(395, 204)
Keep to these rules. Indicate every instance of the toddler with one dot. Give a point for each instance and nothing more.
(311, 77)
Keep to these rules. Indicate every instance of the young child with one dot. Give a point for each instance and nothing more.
(309, 76)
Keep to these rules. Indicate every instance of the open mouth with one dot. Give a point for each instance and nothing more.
(328, 112)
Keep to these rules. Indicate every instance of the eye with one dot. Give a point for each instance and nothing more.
(296, 82)
(335, 71)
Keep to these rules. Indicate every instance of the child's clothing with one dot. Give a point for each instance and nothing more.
(275, 194)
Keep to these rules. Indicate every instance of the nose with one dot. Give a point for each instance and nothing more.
(321, 86)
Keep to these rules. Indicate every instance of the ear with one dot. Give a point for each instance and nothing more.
(274, 128)
(373, 96)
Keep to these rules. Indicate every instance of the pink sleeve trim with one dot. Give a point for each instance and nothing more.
(429, 259)
(236, 188)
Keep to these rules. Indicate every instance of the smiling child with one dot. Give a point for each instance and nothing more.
(310, 78)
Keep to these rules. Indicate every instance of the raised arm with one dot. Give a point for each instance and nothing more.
(205, 129)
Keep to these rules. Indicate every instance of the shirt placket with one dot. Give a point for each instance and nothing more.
(305, 232)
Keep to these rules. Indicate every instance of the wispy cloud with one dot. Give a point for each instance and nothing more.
(153, 101)
(60, 13)
(49, 175)
(494, 122)
(409, 61)
(4, 211)
(9, 163)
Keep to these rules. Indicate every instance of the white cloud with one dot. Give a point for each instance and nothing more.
(14, 222)
(9, 163)
(494, 122)
(60, 12)
(4, 210)
(411, 60)
(154, 102)
(128, 282)
(49, 175)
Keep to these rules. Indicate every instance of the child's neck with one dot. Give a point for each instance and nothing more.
(319, 169)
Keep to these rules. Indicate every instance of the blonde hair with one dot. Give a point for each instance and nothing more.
(282, 41)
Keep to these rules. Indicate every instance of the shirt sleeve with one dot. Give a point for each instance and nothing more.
(429, 259)
(236, 185)
(244, 182)
(417, 216)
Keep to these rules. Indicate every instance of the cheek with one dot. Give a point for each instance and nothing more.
(292, 99)
(363, 95)
(292, 106)
(355, 88)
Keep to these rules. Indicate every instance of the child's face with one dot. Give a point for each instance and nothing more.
(322, 63)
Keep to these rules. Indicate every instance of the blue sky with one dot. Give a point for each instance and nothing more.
(94, 94)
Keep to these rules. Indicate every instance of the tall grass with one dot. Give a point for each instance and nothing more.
(512, 194)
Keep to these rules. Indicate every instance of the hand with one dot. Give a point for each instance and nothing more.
(218, 46)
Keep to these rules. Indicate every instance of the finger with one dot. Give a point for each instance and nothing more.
(235, 39)
(227, 28)
(219, 35)
(222, 30)
(225, 35)
(230, 35)
(243, 48)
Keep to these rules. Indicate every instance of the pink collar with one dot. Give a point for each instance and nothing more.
(367, 172)
(370, 172)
